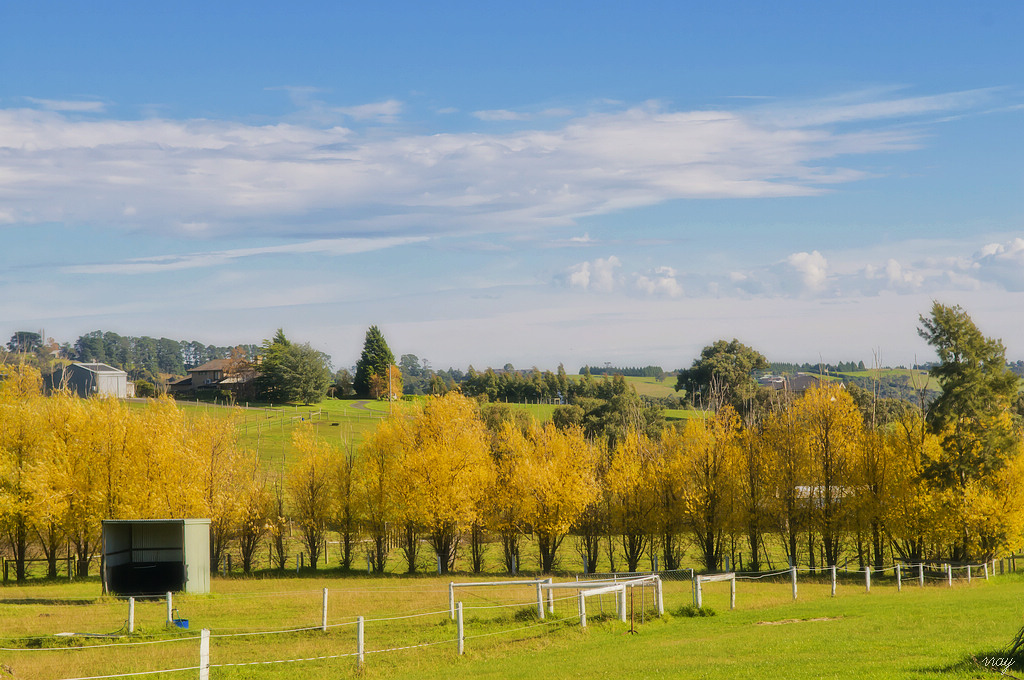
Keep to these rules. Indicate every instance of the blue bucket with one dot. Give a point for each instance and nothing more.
(181, 623)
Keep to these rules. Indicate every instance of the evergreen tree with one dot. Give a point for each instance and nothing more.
(972, 412)
(375, 360)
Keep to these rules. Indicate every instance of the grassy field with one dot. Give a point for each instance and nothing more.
(267, 429)
(929, 632)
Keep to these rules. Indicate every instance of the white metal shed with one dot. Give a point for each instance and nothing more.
(154, 556)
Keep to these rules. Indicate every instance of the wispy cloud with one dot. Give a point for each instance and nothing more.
(167, 263)
(69, 105)
(215, 177)
(385, 111)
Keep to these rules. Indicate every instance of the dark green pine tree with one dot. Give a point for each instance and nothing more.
(972, 413)
(374, 360)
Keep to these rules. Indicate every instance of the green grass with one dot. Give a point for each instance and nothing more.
(917, 633)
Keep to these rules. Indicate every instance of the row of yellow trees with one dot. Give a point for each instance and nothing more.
(68, 463)
(809, 475)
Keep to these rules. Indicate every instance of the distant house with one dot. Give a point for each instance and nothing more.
(795, 385)
(87, 380)
(213, 375)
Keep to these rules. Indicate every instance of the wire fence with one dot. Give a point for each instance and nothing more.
(506, 609)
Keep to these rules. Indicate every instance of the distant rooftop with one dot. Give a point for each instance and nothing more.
(100, 368)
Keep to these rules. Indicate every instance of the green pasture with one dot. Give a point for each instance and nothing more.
(928, 632)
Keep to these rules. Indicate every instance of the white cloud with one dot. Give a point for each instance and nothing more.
(1002, 264)
(234, 178)
(810, 268)
(598, 275)
(662, 283)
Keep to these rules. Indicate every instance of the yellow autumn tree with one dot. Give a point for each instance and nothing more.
(753, 491)
(704, 459)
(505, 506)
(446, 468)
(912, 515)
(787, 472)
(830, 425)
(374, 480)
(23, 458)
(632, 485)
(309, 484)
(557, 472)
(874, 474)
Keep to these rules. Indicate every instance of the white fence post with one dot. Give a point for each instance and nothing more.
(620, 598)
(583, 611)
(949, 575)
(360, 622)
(920, 574)
(661, 601)
(131, 614)
(700, 595)
(540, 601)
(986, 571)
(792, 571)
(899, 580)
(833, 570)
(323, 616)
(451, 600)
(968, 574)
(867, 579)
(170, 608)
(732, 593)
(204, 655)
(462, 630)
(551, 597)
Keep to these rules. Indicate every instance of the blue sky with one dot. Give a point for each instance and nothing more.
(533, 183)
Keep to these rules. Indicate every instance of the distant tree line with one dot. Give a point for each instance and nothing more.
(148, 357)
(631, 372)
(783, 368)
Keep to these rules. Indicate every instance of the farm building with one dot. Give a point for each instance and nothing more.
(87, 380)
(154, 556)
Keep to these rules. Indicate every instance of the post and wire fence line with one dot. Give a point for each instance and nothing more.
(540, 594)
